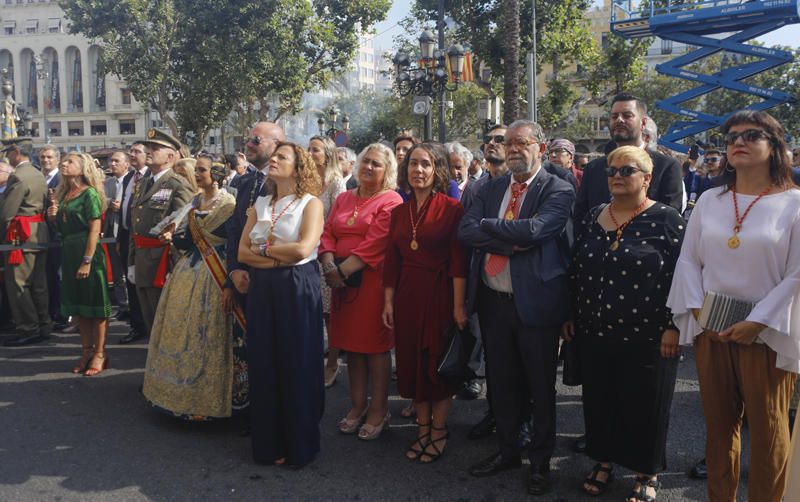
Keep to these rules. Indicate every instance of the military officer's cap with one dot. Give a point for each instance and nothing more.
(156, 137)
(9, 143)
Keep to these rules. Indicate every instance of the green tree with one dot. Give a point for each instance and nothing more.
(562, 37)
(201, 63)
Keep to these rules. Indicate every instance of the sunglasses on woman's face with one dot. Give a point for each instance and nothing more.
(623, 171)
(748, 136)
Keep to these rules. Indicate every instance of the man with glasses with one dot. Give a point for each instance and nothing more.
(518, 283)
(561, 152)
(712, 167)
(494, 156)
(258, 149)
(628, 118)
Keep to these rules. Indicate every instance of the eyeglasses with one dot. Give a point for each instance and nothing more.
(748, 136)
(557, 151)
(520, 142)
(499, 139)
(256, 140)
(711, 160)
(623, 171)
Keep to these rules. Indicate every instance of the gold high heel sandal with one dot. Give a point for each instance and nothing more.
(84, 360)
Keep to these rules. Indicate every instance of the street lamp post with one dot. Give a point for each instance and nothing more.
(339, 136)
(42, 74)
(429, 78)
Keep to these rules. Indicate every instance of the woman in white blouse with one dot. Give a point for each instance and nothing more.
(284, 312)
(743, 240)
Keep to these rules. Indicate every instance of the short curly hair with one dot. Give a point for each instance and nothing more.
(308, 180)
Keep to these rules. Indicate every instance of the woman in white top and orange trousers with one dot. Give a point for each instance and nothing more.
(743, 240)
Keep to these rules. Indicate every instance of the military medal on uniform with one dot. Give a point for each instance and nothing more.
(734, 241)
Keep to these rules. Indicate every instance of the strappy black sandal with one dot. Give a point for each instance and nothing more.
(422, 442)
(593, 480)
(437, 454)
(645, 482)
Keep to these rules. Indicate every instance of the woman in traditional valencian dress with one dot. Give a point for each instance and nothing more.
(192, 370)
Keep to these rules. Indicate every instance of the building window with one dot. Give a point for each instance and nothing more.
(32, 26)
(604, 41)
(75, 128)
(212, 140)
(35, 129)
(127, 127)
(666, 46)
(54, 25)
(55, 128)
(98, 127)
(9, 27)
(126, 96)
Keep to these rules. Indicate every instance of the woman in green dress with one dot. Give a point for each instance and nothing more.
(77, 206)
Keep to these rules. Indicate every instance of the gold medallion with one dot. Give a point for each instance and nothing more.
(614, 246)
(414, 245)
(510, 215)
(351, 221)
(733, 242)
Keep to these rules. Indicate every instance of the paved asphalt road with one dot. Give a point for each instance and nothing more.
(66, 437)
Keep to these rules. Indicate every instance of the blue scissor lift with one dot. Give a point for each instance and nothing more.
(697, 23)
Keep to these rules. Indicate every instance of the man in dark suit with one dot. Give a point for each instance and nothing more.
(49, 158)
(259, 148)
(518, 284)
(114, 186)
(22, 221)
(628, 117)
(137, 158)
(160, 194)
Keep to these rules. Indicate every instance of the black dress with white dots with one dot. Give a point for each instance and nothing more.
(620, 294)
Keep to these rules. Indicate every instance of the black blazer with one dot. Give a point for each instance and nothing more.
(665, 187)
(539, 273)
(235, 224)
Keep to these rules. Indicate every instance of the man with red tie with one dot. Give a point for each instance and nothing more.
(516, 227)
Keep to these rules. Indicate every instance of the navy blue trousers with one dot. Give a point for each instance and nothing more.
(284, 357)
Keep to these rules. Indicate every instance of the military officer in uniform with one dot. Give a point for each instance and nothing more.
(22, 222)
(159, 194)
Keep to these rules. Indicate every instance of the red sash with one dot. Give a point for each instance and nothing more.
(142, 242)
(18, 232)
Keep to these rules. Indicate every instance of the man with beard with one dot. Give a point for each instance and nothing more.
(259, 148)
(494, 155)
(628, 118)
(518, 283)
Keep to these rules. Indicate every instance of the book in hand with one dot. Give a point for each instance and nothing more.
(720, 312)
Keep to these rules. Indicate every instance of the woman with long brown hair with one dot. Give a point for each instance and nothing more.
(284, 312)
(77, 207)
(742, 245)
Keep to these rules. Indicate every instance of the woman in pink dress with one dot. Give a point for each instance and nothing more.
(351, 255)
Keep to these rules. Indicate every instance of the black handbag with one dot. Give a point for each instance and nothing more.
(354, 281)
(454, 364)
(571, 375)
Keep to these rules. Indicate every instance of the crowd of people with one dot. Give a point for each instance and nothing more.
(237, 268)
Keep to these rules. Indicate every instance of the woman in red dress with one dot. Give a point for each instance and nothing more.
(425, 280)
(353, 244)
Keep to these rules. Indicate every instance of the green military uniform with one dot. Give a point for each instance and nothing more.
(26, 283)
(153, 201)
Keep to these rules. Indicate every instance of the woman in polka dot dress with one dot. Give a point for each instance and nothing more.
(623, 260)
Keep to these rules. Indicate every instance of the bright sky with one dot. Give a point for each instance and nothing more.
(788, 35)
